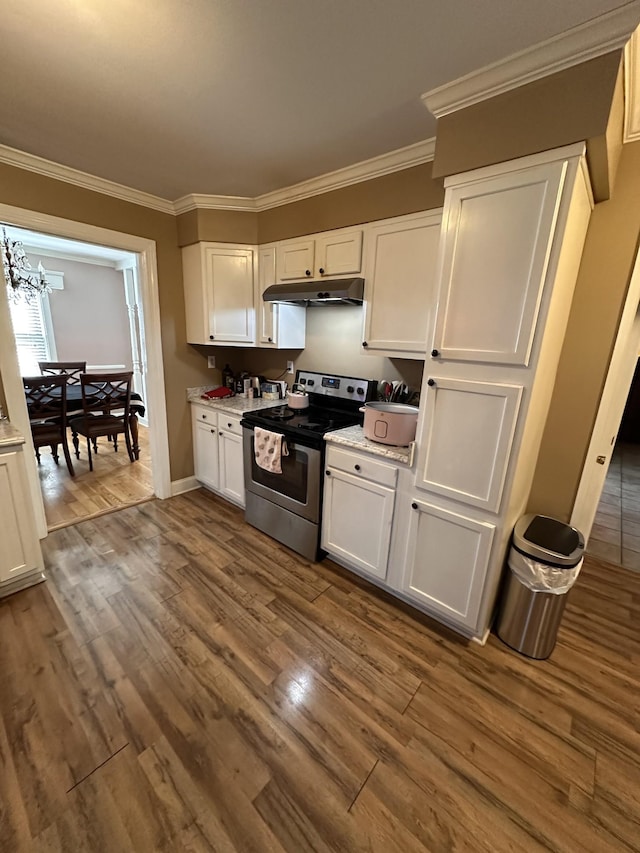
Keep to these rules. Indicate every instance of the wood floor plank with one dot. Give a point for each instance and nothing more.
(184, 682)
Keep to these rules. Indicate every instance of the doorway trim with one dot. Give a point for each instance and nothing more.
(148, 270)
(615, 392)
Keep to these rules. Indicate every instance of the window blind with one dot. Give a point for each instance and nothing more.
(30, 333)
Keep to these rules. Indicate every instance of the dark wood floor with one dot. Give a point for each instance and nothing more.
(182, 682)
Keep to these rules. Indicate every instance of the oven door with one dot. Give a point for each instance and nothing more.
(297, 488)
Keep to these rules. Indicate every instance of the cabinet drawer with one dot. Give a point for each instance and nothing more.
(204, 415)
(362, 465)
(229, 423)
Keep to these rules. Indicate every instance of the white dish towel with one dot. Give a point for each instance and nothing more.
(269, 448)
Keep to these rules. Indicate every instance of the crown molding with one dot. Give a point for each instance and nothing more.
(631, 131)
(594, 38)
(32, 163)
(376, 167)
(198, 201)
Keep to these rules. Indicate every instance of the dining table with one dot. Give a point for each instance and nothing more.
(75, 407)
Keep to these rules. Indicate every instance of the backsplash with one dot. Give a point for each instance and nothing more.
(333, 345)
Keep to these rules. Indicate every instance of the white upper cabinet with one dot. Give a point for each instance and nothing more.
(469, 429)
(219, 293)
(400, 268)
(331, 254)
(497, 237)
(339, 253)
(279, 326)
(295, 259)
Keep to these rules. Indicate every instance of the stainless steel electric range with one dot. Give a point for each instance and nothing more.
(288, 506)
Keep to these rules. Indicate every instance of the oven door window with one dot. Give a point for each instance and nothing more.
(298, 487)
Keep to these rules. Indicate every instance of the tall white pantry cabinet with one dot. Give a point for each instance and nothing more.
(511, 243)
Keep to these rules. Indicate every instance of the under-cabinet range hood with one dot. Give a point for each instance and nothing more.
(335, 291)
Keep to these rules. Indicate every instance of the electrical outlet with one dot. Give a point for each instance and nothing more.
(211, 361)
(290, 367)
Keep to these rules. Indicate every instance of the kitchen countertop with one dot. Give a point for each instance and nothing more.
(353, 436)
(230, 405)
(9, 435)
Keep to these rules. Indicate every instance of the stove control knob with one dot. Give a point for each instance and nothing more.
(350, 389)
(311, 382)
(361, 391)
(303, 381)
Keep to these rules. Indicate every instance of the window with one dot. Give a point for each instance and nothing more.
(33, 333)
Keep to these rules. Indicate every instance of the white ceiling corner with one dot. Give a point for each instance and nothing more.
(594, 38)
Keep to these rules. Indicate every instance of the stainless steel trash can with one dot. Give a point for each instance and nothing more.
(530, 614)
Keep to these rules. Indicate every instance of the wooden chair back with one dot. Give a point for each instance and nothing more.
(46, 398)
(106, 393)
(47, 406)
(72, 369)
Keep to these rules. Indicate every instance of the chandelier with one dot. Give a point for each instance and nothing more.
(22, 283)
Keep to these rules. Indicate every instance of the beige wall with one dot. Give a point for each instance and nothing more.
(224, 226)
(407, 191)
(570, 106)
(334, 335)
(183, 365)
(603, 280)
(89, 315)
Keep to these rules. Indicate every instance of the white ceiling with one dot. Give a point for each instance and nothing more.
(241, 97)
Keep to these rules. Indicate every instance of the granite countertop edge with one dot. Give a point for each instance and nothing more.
(229, 405)
(353, 436)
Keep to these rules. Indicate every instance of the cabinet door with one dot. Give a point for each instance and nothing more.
(467, 437)
(19, 547)
(400, 284)
(339, 253)
(356, 522)
(205, 452)
(196, 295)
(266, 312)
(447, 561)
(231, 466)
(295, 259)
(229, 281)
(280, 326)
(497, 238)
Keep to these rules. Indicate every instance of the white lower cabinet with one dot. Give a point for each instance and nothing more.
(446, 562)
(231, 465)
(359, 497)
(217, 452)
(20, 553)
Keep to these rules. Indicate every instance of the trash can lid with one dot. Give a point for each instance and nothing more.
(548, 540)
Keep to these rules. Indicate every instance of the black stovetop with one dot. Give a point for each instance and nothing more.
(310, 423)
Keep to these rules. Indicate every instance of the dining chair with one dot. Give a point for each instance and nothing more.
(47, 406)
(72, 369)
(106, 399)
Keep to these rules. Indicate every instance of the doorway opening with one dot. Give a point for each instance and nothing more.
(92, 314)
(136, 259)
(607, 506)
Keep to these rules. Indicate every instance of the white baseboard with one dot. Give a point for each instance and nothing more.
(30, 579)
(187, 484)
